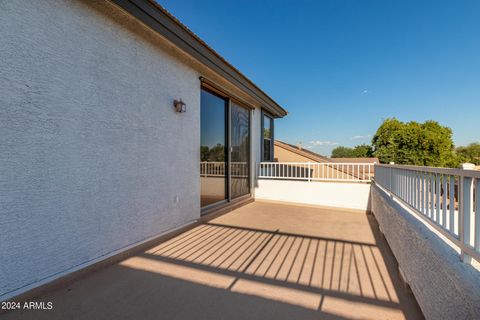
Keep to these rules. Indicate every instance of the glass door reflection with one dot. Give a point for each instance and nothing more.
(213, 149)
(240, 151)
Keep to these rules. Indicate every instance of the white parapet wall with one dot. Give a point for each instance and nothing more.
(443, 285)
(351, 195)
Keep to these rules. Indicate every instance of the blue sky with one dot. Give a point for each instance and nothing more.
(342, 66)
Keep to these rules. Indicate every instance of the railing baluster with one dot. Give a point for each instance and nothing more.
(452, 204)
(437, 202)
(405, 183)
(444, 201)
(427, 194)
(406, 187)
(432, 197)
(466, 211)
(477, 214)
(410, 188)
(417, 189)
(422, 193)
(414, 188)
(400, 184)
(419, 200)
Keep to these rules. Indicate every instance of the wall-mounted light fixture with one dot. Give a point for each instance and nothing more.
(179, 105)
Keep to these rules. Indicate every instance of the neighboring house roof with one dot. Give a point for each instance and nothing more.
(358, 171)
(300, 151)
(355, 160)
(160, 20)
(319, 158)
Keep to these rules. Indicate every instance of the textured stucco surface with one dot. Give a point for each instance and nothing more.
(92, 156)
(444, 287)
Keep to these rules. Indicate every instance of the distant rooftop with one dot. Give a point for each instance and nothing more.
(320, 158)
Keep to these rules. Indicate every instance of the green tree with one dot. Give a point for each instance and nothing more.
(343, 152)
(360, 151)
(216, 153)
(470, 153)
(363, 151)
(204, 153)
(423, 144)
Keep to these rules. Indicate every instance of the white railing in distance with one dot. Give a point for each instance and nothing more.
(217, 169)
(313, 171)
(447, 199)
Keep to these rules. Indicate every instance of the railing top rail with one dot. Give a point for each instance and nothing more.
(324, 163)
(223, 162)
(317, 171)
(446, 171)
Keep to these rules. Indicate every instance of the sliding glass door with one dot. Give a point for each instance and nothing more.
(240, 151)
(224, 149)
(213, 148)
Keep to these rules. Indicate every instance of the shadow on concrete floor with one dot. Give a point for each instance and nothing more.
(235, 268)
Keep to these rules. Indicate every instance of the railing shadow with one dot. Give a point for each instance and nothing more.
(217, 271)
(347, 270)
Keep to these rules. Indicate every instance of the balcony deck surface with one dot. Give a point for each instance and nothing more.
(262, 261)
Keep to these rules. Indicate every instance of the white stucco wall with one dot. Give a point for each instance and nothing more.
(444, 286)
(330, 194)
(93, 158)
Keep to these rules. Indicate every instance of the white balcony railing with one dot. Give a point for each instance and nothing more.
(217, 169)
(312, 171)
(447, 199)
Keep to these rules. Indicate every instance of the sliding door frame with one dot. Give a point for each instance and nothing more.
(216, 90)
(250, 154)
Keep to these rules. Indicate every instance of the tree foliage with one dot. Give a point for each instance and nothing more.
(413, 143)
(343, 152)
(423, 144)
(216, 153)
(363, 151)
(470, 153)
(360, 151)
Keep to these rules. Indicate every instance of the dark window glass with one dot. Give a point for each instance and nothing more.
(213, 154)
(266, 127)
(240, 156)
(267, 138)
(266, 150)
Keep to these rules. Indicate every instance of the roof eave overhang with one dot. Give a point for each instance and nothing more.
(152, 15)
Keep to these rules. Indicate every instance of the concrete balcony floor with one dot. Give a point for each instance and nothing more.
(262, 261)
